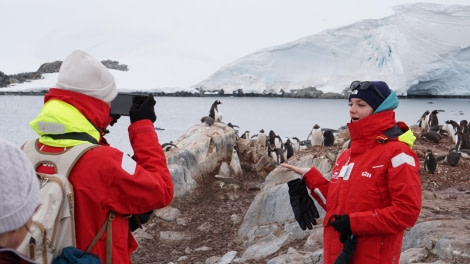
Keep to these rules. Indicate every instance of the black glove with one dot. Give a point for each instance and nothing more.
(143, 111)
(136, 221)
(342, 225)
(348, 250)
(302, 204)
(115, 118)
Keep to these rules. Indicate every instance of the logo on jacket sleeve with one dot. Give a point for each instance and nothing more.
(403, 158)
(128, 164)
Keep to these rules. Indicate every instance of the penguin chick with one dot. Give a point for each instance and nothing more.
(433, 120)
(289, 148)
(430, 162)
(208, 120)
(462, 141)
(328, 138)
(431, 136)
(452, 158)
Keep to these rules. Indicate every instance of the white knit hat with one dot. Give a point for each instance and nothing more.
(19, 188)
(82, 73)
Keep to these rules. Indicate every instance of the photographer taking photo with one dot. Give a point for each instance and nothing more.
(104, 179)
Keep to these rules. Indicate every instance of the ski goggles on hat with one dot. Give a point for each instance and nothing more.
(364, 86)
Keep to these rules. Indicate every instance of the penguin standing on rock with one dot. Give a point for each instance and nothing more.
(261, 138)
(430, 162)
(246, 135)
(296, 144)
(316, 136)
(274, 141)
(289, 149)
(214, 111)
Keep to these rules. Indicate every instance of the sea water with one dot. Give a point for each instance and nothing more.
(287, 117)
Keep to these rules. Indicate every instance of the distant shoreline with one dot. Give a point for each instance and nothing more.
(188, 94)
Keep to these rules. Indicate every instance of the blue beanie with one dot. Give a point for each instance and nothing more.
(375, 100)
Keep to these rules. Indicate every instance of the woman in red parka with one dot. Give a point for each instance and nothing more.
(374, 192)
(104, 179)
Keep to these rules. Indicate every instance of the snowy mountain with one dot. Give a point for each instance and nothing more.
(423, 49)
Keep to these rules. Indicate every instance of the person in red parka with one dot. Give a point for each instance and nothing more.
(104, 179)
(374, 192)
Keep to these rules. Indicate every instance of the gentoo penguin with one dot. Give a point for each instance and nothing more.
(462, 141)
(277, 155)
(452, 158)
(431, 136)
(452, 127)
(433, 120)
(289, 149)
(168, 146)
(465, 127)
(464, 153)
(315, 136)
(423, 121)
(246, 135)
(274, 140)
(430, 162)
(232, 125)
(208, 120)
(262, 138)
(295, 144)
(214, 111)
(328, 138)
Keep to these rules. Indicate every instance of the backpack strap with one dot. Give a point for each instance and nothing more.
(74, 135)
(109, 237)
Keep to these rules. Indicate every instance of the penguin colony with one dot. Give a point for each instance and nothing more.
(434, 131)
(280, 149)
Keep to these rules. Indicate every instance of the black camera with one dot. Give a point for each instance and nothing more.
(123, 102)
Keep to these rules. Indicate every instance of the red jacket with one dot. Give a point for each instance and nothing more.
(106, 179)
(379, 189)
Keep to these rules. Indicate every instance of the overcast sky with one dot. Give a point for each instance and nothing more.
(191, 38)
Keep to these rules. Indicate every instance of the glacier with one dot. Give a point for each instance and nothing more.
(421, 50)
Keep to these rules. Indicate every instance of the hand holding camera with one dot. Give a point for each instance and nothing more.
(144, 110)
(136, 106)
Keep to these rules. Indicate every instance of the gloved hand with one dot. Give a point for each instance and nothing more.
(302, 204)
(115, 118)
(136, 221)
(348, 250)
(143, 111)
(342, 225)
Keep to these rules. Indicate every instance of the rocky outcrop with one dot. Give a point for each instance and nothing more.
(202, 150)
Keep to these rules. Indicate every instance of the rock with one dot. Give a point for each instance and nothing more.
(228, 257)
(168, 213)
